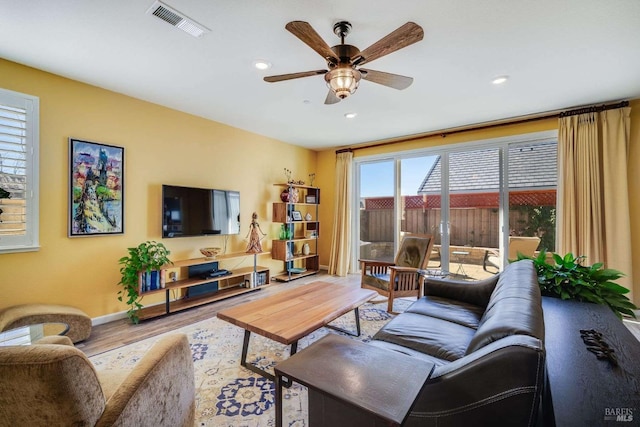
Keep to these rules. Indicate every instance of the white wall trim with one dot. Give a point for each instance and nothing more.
(101, 320)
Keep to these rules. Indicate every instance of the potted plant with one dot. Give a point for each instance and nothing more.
(567, 278)
(146, 257)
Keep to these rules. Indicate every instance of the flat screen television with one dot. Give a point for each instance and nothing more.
(189, 211)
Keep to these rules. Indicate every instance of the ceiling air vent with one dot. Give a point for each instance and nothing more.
(177, 19)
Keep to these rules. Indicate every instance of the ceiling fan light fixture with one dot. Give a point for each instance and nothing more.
(343, 81)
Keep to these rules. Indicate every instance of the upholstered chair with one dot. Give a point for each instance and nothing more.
(399, 278)
(51, 384)
(517, 245)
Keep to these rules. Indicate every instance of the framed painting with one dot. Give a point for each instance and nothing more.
(96, 188)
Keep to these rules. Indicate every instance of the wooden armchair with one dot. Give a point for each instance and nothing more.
(399, 278)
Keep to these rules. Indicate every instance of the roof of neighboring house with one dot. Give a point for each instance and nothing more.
(531, 166)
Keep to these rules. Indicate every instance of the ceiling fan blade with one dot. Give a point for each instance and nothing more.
(404, 36)
(281, 77)
(395, 81)
(310, 37)
(331, 98)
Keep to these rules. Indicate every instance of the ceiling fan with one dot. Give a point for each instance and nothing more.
(343, 60)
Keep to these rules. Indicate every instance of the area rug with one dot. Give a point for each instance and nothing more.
(230, 395)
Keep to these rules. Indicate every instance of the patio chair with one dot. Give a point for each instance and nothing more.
(399, 278)
(517, 244)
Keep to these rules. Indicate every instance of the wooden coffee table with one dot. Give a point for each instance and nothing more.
(290, 315)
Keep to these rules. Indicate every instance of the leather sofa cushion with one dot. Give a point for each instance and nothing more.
(454, 311)
(514, 307)
(409, 352)
(430, 335)
(476, 293)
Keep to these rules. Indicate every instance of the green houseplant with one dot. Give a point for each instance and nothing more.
(146, 256)
(567, 278)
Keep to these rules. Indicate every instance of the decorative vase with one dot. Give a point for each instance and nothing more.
(305, 249)
(290, 195)
(307, 217)
(283, 233)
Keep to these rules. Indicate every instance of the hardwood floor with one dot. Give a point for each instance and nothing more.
(121, 332)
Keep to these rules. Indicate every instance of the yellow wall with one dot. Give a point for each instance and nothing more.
(161, 146)
(326, 161)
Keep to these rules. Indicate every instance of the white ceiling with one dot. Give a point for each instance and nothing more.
(558, 53)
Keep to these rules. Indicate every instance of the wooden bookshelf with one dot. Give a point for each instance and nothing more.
(301, 231)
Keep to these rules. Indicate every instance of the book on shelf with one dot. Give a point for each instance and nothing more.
(151, 280)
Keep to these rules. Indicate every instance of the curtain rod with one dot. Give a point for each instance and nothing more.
(594, 109)
(506, 122)
(344, 150)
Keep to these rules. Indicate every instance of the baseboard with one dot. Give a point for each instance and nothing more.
(101, 320)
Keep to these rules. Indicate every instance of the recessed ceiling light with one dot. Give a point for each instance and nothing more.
(261, 64)
(350, 115)
(499, 80)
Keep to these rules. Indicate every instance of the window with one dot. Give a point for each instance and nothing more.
(472, 197)
(19, 117)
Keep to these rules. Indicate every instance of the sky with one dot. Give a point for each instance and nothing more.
(376, 179)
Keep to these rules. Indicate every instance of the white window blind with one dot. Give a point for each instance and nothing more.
(19, 116)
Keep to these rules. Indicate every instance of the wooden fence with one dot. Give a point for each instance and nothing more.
(469, 226)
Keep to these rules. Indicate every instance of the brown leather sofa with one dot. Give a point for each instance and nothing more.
(486, 340)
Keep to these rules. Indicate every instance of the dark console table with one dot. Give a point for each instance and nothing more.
(353, 384)
(583, 390)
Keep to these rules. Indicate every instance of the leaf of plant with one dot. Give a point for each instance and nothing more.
(615, 287)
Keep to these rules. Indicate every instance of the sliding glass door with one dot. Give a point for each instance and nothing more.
(376, 190)
(483, 203)
(420, 212)
(473, 210)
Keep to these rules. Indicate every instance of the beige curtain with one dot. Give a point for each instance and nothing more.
(341, 234)
(617, 216)
(594, 200)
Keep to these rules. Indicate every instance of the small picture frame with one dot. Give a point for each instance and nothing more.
(310, 198)
(296, 216)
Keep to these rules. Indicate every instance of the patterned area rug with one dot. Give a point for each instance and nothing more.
(230, 395)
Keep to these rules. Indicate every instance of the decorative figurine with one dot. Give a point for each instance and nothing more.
(255, 231)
